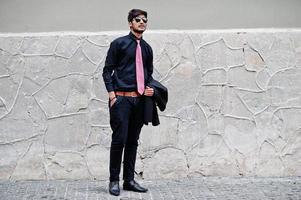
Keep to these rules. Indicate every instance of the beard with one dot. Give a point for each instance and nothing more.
(138, 31)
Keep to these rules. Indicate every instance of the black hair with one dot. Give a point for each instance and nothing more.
(136, 12)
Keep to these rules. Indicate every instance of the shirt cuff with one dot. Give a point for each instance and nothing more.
(109, 88)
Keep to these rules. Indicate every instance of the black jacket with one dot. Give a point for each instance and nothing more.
(159, 99)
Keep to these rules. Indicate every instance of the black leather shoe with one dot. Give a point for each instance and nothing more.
(133, 186)
(114, 188)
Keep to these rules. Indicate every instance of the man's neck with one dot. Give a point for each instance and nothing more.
(138, 35)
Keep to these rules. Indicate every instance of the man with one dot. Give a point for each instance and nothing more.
(128, 70)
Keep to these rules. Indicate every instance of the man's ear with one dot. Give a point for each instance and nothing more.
(130, 24)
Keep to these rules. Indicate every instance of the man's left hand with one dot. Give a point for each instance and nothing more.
(149, 91)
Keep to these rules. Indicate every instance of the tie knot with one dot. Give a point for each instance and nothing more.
(138, 41)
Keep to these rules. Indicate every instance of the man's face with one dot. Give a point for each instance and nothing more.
(138, 24)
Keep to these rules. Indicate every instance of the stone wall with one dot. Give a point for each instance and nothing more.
(234, 105)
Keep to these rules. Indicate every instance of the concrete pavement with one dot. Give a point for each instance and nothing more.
(188, 188)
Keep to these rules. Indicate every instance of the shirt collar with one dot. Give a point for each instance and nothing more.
(134, 37)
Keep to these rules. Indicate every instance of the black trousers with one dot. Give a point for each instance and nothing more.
(126, 120)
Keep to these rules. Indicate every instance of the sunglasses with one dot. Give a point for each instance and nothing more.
(138, 19)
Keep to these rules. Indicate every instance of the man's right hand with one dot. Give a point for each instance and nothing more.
(112, 101)
(112, 98)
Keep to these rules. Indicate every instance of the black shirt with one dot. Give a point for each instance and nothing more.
(119, 72)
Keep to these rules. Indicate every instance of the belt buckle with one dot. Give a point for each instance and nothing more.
(133, 94)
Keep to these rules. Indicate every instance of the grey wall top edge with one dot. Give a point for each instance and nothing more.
(104, 15)
(80, 33)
